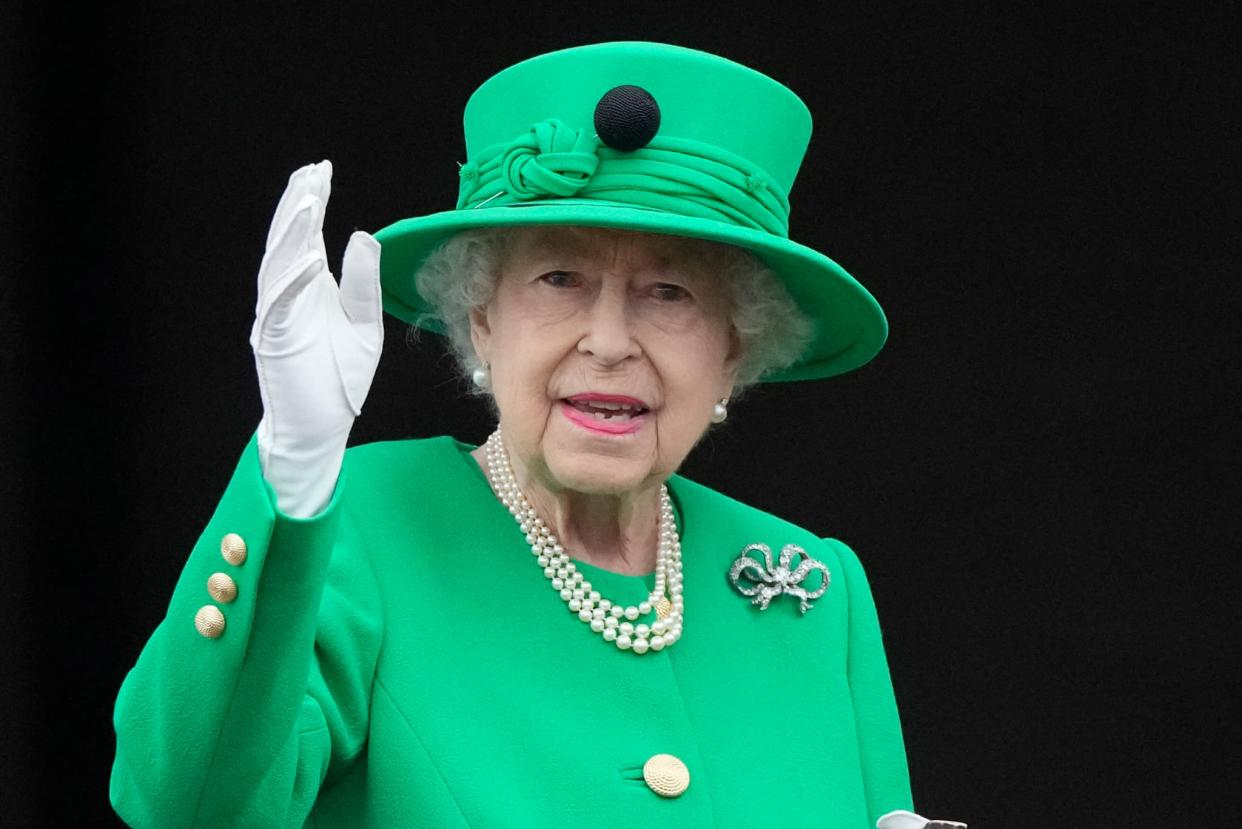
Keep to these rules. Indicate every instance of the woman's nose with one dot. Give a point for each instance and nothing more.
(609, 335)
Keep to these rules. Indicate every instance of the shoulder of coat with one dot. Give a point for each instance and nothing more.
(726, 514)
(388, 460)
(387, 450)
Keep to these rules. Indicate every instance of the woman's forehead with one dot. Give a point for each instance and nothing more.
(604, 243)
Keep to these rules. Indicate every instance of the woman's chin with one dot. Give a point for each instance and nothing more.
(593, 474)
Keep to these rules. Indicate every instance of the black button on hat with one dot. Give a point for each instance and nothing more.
(627, 117)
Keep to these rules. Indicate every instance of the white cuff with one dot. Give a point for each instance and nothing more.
(902, 819)
(303, 477)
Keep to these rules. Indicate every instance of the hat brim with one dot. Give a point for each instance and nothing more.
(850, 326)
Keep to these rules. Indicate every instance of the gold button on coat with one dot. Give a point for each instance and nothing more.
(233, 548)
(222, 588)
(666, 775)
(209, 621)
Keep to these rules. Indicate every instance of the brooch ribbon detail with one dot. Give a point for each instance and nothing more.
(768, 582)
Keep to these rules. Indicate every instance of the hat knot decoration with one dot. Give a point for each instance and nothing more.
(648, 137)
(551, 159)
(673, 175)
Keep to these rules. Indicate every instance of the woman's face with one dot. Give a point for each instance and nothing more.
(608, 350)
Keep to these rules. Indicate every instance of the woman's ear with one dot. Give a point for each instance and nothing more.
(480, 331)
(733, 359)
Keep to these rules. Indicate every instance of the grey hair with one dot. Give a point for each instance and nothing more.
(462, 272)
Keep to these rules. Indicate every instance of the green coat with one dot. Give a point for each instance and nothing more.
(400, 660)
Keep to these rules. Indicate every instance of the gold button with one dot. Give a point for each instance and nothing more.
(222, 588)
(209, 621)
(233, 548)
(666, 775)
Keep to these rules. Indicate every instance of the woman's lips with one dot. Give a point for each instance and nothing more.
(608, 414)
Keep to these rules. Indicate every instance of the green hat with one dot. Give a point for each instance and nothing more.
(651, 137)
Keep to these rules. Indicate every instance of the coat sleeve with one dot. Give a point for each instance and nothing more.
(882, 751)
(242, 727)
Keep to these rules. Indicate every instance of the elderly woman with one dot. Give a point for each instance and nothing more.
(379, 636)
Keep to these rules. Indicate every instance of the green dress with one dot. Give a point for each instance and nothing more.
(400, 660)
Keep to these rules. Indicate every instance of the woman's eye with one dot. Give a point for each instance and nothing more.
(560, 279)
(669, 292)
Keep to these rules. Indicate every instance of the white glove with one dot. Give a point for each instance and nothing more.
(902, 819)
(316, 346)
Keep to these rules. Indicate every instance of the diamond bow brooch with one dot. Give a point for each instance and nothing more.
(768, 582)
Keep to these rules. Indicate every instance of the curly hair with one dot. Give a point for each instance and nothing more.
(462, 273)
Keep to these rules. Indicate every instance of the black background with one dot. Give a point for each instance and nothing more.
(1035, 471)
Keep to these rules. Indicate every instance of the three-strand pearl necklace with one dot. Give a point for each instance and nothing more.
(614, 622)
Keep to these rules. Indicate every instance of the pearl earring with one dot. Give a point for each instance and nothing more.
(482, 377)
(720, 411)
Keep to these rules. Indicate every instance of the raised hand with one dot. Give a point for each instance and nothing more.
(316, 346)
(905, 819)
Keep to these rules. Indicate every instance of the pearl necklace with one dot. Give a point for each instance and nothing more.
(614, 622)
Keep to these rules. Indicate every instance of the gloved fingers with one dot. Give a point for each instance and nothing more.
(322, 189)
(905, 819)
(273, 319)
(292, 243)
(302, 182)
(901, 819)
(293, 229)
(360, 282)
